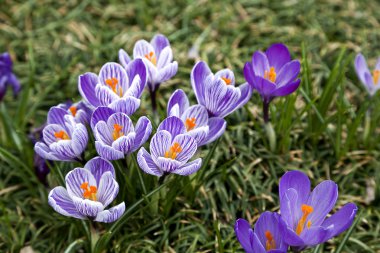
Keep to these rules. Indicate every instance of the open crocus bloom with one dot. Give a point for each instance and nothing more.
(266, 236)
(80, 111)
(170, 150)
(115, 134)
(63, 138)
(197, 122)
(6, 76)
(273, 73)
(305, 212)
(218, 92)
(115, 87)
(158, 57)
(370, 81)
(88, 191)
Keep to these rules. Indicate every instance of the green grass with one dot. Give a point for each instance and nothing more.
(319, 130)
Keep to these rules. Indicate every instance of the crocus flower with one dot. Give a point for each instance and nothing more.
(115, 134)
(266, 236)
(81, 111)
(41, 167)
(370, 81)
(304, 212)
(6, 76)
(272, 74)
(158, 57)
(197, 122)
(218, 92)
(170, 150)
(63, 138)
(116, 87)
(88, 192)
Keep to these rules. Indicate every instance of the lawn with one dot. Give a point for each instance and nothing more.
(328, 128)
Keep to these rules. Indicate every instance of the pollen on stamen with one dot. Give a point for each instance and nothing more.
(376, 76)
(112, 83)
(117, 132)
(89, 192)
(306, 211)
(61, 135)
(73, 110)
(226, 80)
(270, 243)
(173, 151)
(270, 75)
(190, 123)
(151, 57)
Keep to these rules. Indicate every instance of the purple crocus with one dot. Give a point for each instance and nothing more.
(88, 192)
(6, 76)
(266, 236)
(115, 134)
(158, 57)
(370, 81)
(272, 74)
(63, 138)
(305, 212)
(195, 118)
(170, 150)
(116, 87)
(81, 111)
(218, 92)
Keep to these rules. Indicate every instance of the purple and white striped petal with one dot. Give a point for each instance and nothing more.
(159, 144)
(124, 58)
(168, 165)
(199, 134)
(62, 203)
(56, 115)
(49, 133)
(166, 72)
(103, 133)
(44, 151)
(125, 144)
(142, 48)
(105, 95)
(198, 112)
(189, 168)
(199, 77)
(143, 130)
(112, 70)
(98, 166)
(108, 189)
(217, 126)
(87, 207)
(111, 214)
(147, 164)
(159, 42)
(75, 178)
(135, 69)
(122, 120)
(108, 152)
(165, 57)
(173, 125)
(80, 138)
(86, 86)
(178, 103)
(101, 113)
(64, 148)
(127, 105)
(227, 76)
(188, 147)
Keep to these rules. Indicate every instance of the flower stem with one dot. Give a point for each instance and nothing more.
(153, 94)
(266, 111)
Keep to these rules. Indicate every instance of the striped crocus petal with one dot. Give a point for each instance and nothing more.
(124, 58)
(173, 125)
(107, 189)
(127, 105)
(86, 86)
(146, 163)
(217, 126)
(138, 77)
(189, 168)
(98, 166)
(178, 103)
(62, 203)
(108, 152)
(143, 130)
(112, 214)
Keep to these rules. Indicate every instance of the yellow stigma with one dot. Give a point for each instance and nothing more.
(190, 123)
(113, 84)
(173, 151)
(73, 110)
(117, 132)
(152, 58)
(89, 192)
(376, 76)
(270, 75)
(270, 243)
(226, 80)
(61, 135)
(306, 210)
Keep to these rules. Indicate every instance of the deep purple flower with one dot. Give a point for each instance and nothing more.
(273, 73)
(116, 87)
(305, 212)
(170, 150)
(6, 76)
(88, 192)
(370, 81)
(81, 111)
(115, 134)
(63, 138)
(197, 122)
(158, 57)
(266, 236)
(218, 92)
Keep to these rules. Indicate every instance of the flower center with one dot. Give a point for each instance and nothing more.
(190, 123)
(226, 80)
(61, 135)
(376, 76)
(270, 75)
(117, 132)
(152, 58)
(73, 110)
(270, 243)
(113, 84)
(89, 191)
(173, 151)
(306, 210)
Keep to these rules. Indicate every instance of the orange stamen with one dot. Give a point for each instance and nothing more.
(173, 151)
(152, 58)
(112, 83)
(376, 76)
(190, 123)
(270, 75)
(61, 135)
(73, 110)
(89, 192)
(226, 80)
(117, 132)
(306, 210)
(270, 243)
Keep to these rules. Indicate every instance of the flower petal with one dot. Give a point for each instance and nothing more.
(142, 48)
(178, 98)
(249, 74)
(44, 151)
(79, 139)
(199, 134)
(166, 57)
(64, 148)
(62, 203)
(122, 120)
(160, 143)
(75, 178)
(86, 86)
(168, 165)
(298, 181)
(101, 113)
(286, 89)
(125, 144)
(188, 147)
(114, 70)
(244, 234)
(108, 189)
(108, 152)
(98, 166)
(314, 236)
(260, 63)
(127, 105)
(361, 68)
(87, 207)
(124, 58)
(56, 115)
(49, 131)
(199, 75)
(226, 74)
(147, 164)
(288, 73)
(103, 133)
(137, 74)
(189, 168)
(111, 214)
(159, 42)
(217, 126)
(105, 95)
(290, 207)
(167, 72)
(143, 130)
(278, 55)
(173, 125)
(198, 112)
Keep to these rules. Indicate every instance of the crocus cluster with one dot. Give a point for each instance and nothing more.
(302, 223)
